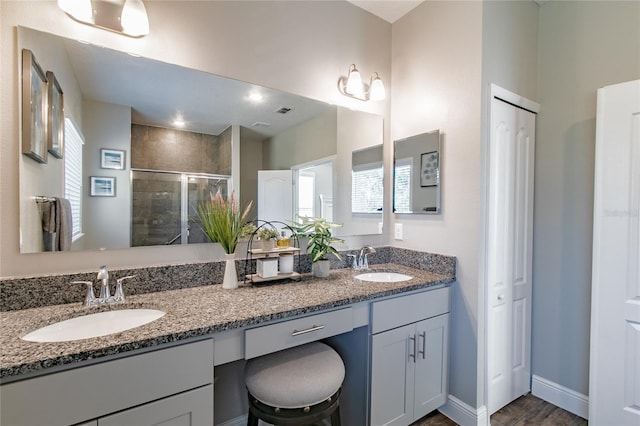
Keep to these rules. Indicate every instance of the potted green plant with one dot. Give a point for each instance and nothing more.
(222, 221)
(319, 246)
(267, 236)
(246, 231)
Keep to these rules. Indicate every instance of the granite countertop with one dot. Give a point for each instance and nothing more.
(192, 312)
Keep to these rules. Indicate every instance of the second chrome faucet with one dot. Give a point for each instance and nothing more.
(361, 262)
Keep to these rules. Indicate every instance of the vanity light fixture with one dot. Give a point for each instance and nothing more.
(353, 86)
(128, 17)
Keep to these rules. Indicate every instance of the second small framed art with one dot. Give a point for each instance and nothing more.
(112, 159)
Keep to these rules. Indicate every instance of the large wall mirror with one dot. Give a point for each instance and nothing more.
(417, 174)
(150, 139)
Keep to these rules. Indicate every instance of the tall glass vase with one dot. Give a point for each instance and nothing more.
(230, 280)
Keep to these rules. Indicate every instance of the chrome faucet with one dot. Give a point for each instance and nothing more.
(364, 252)
(105, 294)
(361, 262)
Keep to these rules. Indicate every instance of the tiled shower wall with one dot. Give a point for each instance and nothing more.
(157, 148)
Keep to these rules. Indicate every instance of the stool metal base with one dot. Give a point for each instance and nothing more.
(295, 416)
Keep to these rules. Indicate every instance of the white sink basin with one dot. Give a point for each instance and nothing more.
(383, 277)
(94, 325)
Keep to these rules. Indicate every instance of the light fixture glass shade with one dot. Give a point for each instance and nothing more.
(82, 10)
(354, 82)
(134, 19)
(377, 92)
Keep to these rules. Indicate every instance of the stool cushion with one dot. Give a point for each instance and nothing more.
(294, 378)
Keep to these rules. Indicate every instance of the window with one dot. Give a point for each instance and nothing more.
(402, 186)
(306, 191)
(367, 188)
(73, 142)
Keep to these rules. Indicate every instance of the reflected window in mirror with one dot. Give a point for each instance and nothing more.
(73, 142)
(367, 180)
(402, 185)
(417, 174)
(314, 189)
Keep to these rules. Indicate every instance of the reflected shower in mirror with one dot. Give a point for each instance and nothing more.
(417, 174)
(132, 107)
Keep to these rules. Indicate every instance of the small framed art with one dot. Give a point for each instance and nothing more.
(55, 120)
(102, 186)
(429, 170)
(112, 159)
(34, 108)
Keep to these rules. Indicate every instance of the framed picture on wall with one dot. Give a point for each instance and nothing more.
(55, 120)
(102, 186)
(34, 108)
(111, 159)
(429, 170)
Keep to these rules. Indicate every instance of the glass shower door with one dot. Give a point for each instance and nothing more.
(156, 212)
(199, 189)
(165, 206)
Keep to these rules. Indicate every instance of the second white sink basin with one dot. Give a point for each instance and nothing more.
(383, 277)
(94, 325)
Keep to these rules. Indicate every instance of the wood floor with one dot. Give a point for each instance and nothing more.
(526, 410)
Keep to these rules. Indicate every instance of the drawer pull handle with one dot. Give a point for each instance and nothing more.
(423, 352)
(307, 330)
(412, 348)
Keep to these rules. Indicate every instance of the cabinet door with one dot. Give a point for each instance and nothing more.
(392, 370)
(431, 369)
(192, 408)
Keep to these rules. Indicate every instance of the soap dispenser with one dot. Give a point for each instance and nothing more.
(283, 241)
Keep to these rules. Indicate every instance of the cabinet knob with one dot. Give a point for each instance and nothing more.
(501, 297)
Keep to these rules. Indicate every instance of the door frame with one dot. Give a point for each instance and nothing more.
(518, 101)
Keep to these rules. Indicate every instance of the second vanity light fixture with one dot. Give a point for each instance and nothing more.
(354, 87)
(127, 17)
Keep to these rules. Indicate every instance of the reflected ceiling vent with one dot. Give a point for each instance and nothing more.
(283, 110)
(261, 124)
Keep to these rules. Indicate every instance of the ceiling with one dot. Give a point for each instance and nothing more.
(159, 93)
(389, 10)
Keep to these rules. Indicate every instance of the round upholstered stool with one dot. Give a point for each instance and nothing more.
(297, 386)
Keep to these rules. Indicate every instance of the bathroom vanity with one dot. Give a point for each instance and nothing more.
(393, 338)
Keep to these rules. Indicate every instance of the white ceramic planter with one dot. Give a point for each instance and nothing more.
(321, 268)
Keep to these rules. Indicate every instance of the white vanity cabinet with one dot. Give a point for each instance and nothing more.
(409, 357)
(172, 386)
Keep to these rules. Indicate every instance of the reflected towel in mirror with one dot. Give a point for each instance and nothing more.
(55, 214)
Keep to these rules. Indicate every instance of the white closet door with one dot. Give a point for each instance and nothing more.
(614, 382)
(509, 252)
(275, 194)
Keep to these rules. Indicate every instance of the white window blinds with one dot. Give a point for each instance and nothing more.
(367, 188)
(73, 142)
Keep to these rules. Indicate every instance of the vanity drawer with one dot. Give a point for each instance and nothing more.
(89, 392)
(399, 311)
(287, 334)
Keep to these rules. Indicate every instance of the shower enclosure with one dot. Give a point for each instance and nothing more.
(165, 206)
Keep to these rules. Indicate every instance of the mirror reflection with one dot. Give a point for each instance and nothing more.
(179, 131)
(416, 174)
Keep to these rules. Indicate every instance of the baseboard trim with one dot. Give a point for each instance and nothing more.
(464, 414)
(560, 396)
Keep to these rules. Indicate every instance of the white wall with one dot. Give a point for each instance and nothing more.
(436, 54)
(584, 45)
(299, 47)
(107, 220)
(510, 60)
(45, 179)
